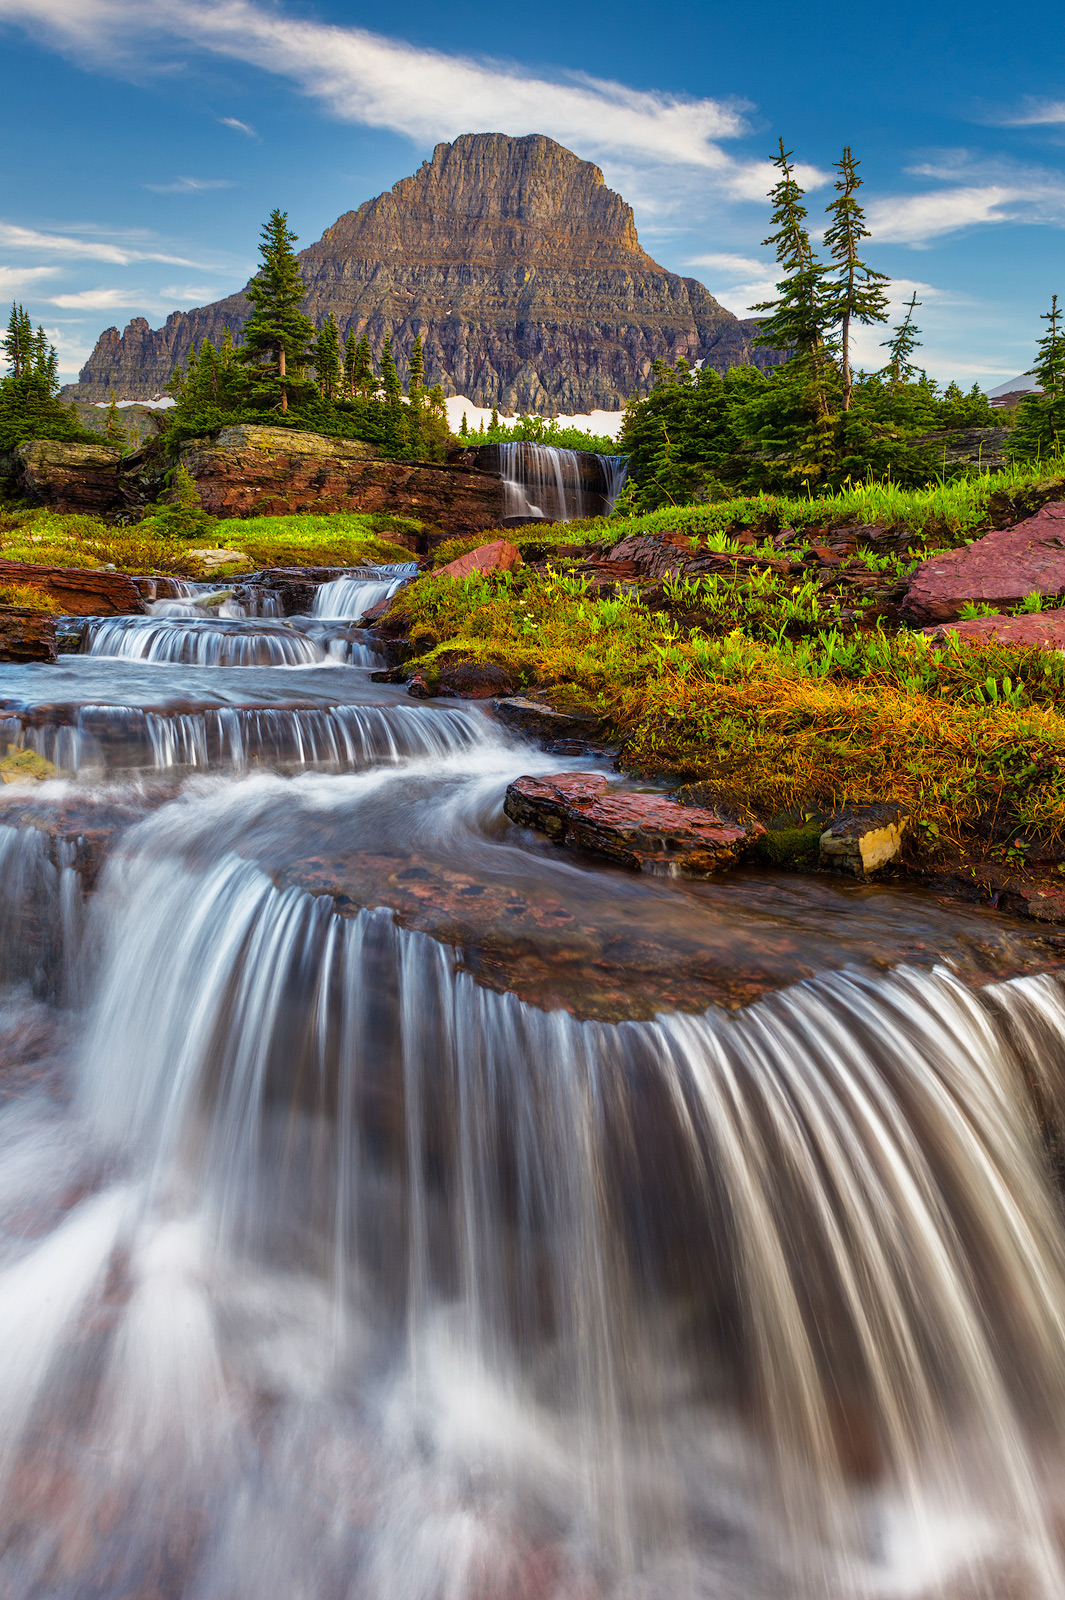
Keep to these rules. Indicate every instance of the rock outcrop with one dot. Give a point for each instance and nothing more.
(1042, 630)
(1000, 569)
(267, 472)
(81, 591)
(68, 477)
(517, 265)
(500, 556)
(27, 635)
(646, 832)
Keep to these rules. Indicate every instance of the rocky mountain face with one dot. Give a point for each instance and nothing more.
(517, 265)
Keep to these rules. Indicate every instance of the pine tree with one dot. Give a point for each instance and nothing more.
(435, 430)
(327, 367)
(464, 427)
(29, 404)
(416, 401)
(366, 384)
(351, 363)
(278, 338)
(1039, 426)
(416, 377)
(900, 347)
(18, 342)
(396, 440)
(801, 316)
(113, 428)
(389, 376)
(856, 293)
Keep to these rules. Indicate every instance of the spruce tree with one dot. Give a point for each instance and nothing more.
(416, 401)
(351, 363)
(396, 440)
(327, 368)
(800, 317)
(416, 377)
(366, 384)
(1039, 427)
(18, 343)
(278, 338)
(389, 376)
(113, 429)
(856, 292)
(900, 347)
(30, 407)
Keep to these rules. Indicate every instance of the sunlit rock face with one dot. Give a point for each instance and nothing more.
(517, 265)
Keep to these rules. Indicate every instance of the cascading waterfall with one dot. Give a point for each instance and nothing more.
(106, 739)
(349, 598)
(705, 1305)
(540, 480)
(41, 910)
(202, 643)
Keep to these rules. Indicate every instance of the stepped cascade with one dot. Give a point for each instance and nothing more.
(371, 1226)
(543, 481)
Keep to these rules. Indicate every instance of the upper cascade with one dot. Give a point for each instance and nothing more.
(517, 265)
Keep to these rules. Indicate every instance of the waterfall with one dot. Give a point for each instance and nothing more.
(540, 480)
(199, 642)
(706, 1305)
(41, 908)
(103, 740)
(350, 597)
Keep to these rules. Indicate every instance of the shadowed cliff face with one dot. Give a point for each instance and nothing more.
(517, 265)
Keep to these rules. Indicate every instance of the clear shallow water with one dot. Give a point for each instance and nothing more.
(338, 1259)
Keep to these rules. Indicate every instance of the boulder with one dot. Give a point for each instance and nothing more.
(1041, 903)
(69, 477)
(500, 556)
(82, 591)
(646, 832)
(1038, 630)
(541, 722)
(999, 569)
(292, 442)
(211, 559)
(27, 635)
(863, 839)
(475, 680)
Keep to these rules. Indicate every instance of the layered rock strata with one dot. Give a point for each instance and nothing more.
(515, 263)
(243, 475)
(67, 477)
(1000, 569)
(79, 590)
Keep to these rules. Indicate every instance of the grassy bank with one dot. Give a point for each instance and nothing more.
(52, 539)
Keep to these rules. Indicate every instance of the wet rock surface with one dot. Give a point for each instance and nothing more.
(1000, 569)
(27, 635)
(646, 832)
(863, 840)
(82, 591)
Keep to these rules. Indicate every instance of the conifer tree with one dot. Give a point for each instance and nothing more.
(463, 427)
(416, 377)
(416, 402)
(351, 363)
(18, 342)
(900, 347)
(800, 317)
(856, 292)
(30, 407)
(1039, 428)
(278, 337)
(389, 376)
(327, 367)
(366, 384)
(113, 428)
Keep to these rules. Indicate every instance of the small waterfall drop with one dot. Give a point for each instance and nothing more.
(542, 481)
(349, 598)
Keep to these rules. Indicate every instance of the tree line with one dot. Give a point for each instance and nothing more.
(813, 422)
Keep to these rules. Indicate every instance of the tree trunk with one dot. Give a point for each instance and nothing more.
(845, 360)
(281, 374)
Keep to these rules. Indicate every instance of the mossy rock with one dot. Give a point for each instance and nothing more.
(790, 847)
(25, 766)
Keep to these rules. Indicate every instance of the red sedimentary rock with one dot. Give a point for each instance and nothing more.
(647, 832)
(1000, 569)
(501, 556)
(1041, 630)
(26, 635)
(81, 591)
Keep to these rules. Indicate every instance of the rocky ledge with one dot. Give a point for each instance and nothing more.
(27, 635)
(647, 832)
(81, 591)
(1000, 569)
(67, 477)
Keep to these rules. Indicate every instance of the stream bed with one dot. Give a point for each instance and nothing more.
(395, 1208)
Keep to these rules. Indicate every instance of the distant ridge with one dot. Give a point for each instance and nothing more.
(517, 265)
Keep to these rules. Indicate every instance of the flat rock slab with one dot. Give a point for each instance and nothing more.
(80, 591)
(1041, 630)
(1000, 569)
(646, 832)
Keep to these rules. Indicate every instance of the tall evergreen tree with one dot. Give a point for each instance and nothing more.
(855, 293)
(416, 401)
(389, 375)
(351, 362)
(366, 384)
(900, 347)
(278, 337)
(1039, 427)
(113, 429)
(416, 377)
(327, 366)
(799, 319)
(30, 407)
(18, 342)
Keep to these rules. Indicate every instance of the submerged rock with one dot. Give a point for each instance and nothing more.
(863, 839)
(1000, 569)
(644, 831)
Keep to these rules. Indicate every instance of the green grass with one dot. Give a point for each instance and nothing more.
(53, 539)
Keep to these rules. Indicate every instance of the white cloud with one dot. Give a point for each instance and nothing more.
(1034, 114)
(14, 237)
(16, 280)
(240, 127)
(728, 265)
(189, 185)
(910, 219)
(363, 77)
(98, 299)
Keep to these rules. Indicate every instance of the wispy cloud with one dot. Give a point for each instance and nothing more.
(913, 218)
(364, 77)
(189, 185)
(1032, 113)
(72, 247)
(17, 280)
(99, 299)
(239, 127)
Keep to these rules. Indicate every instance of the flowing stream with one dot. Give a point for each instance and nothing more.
(394, 1208)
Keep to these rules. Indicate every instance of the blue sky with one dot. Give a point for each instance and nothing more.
(147, 140)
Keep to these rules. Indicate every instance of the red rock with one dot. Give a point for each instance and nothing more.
(999, 569)
(69, 477)
(501, 556)
(476, 680)
(1040, 630)
(1028, 900)
(80, 591)
(645, 831)
(26, 635)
